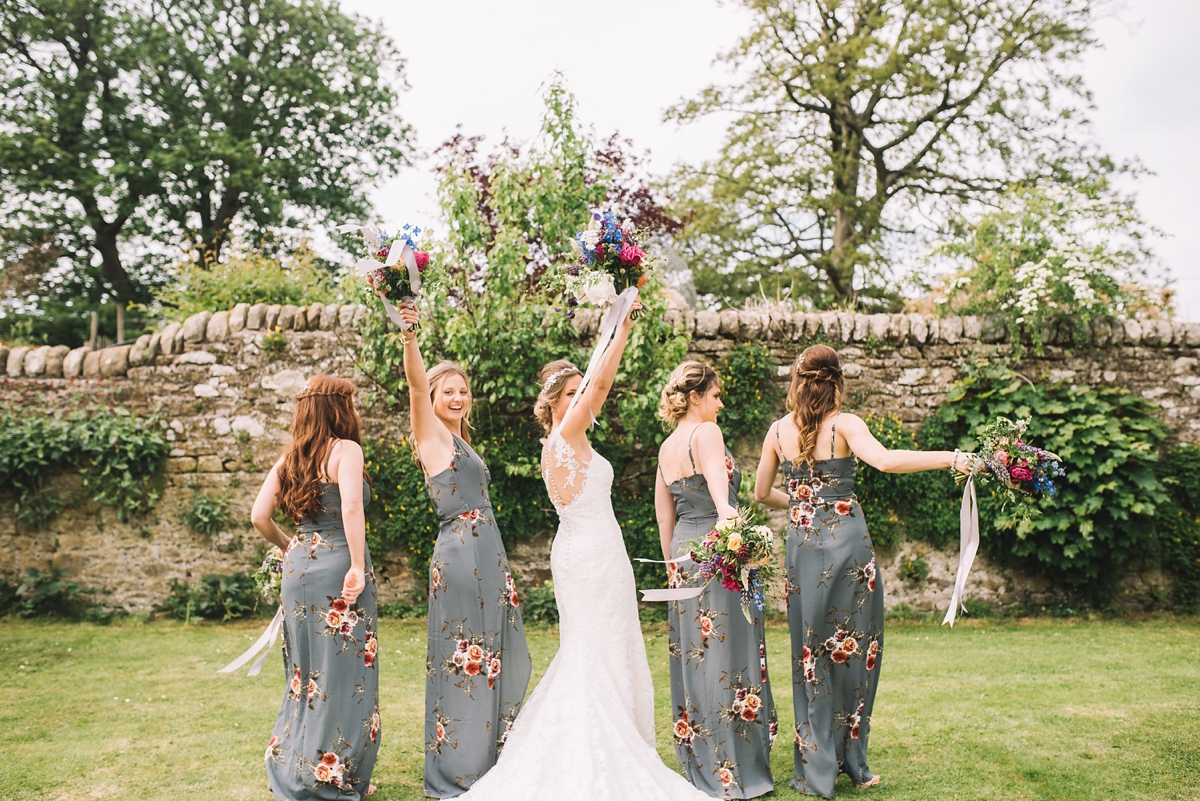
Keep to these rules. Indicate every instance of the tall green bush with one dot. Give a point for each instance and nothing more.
(1178, 523)
(897, 505)
(750, 389)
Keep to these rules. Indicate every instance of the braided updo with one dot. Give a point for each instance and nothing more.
(817, 390)
(685, 379)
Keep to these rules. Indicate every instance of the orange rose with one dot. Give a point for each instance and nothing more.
(854, 732)
(323, 773)
(804, 492)
(870, 661)
(372, 646)
(436, 577)
(474, 653)
(753, 701)
(295, 685)
(329, 758)
(706, 626)
(514, 600)
(312, 690)
(368, 659)
(843, 507)
(850, 645)
(726, 776)
(839, 656)
(749, 714)
(333, 619)
(494, 667)
(472, 668)
(441, 731)
(682, 729)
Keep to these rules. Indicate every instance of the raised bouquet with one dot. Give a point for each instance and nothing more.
(1021, 471)
(269, 576)
(608, 260)
(742, 555)
(393, 267)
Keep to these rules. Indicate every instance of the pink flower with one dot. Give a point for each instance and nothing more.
(1002, 457)
(422, 259)
(1020, 473)
(843, 507)
(631, 255)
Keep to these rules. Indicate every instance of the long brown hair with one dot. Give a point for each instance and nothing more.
(437, 376)
(559, 370)
(324, 413)
(817, 390)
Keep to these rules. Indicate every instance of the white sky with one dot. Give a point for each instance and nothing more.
(481, 63)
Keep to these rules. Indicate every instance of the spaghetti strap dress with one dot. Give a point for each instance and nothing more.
(327, 735)
(477, 665)
(835, 614)
(723, 713)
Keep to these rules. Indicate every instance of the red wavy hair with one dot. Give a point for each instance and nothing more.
(324, 413)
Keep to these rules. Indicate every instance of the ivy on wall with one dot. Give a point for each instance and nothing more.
(1178, 523)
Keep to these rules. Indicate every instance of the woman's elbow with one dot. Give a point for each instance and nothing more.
(762, 495)
(260, 519)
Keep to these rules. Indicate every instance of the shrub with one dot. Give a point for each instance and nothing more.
(206, 514)
(118, 455)
(538, 605)
(1178, 523)
(217, 597)
(891, 501)
(750, 389)
(274, 344)
(47, 593)
(248, 278)
(399, 516)
(414, 606)
(914, 568)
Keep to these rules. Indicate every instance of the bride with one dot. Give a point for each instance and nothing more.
(587, 730)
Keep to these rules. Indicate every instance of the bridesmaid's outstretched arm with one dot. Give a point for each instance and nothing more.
(592, 402)
(350, 484)
(264, 507)
(864, 445)
(765, 491)
(434, 443)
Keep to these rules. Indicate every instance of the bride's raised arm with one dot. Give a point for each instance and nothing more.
(585, 411)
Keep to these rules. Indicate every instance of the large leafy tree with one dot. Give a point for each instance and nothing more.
(859, 123)
(138, 127)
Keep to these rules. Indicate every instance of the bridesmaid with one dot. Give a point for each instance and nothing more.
(326, 737)
(835, 592)
(477, 662)
(725, 721)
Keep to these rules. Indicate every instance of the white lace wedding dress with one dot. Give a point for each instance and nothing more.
(587, 731)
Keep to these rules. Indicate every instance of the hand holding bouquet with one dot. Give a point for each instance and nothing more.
(1020, 470)
(608, 260)
(740, 554)
(269, 576)
(393, 267)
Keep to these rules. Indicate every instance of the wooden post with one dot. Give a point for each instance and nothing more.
(95, 331)
(120, 322)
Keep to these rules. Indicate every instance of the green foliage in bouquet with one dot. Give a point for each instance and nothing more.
(1101, 522)
(1178, 522)
(511, 215)
(118, 455)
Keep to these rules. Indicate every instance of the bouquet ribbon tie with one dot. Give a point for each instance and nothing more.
(263, 643)
(673, 593)
(967, 547)
(608, 329)
(366, 266)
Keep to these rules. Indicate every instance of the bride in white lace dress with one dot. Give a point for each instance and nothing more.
(587, 731)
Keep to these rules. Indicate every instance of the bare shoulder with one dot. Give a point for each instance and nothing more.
(348, 447)
(710, 431)
(848, 422)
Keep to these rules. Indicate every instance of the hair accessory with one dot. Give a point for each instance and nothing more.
(553, 379)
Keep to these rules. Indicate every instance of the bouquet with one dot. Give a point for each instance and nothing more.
(608, 260)
(393, 267)
(269, 576)
(742, 555)
(1020, 470)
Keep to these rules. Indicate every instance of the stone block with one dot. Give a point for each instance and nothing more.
(153, 349)
(91, 364)
(798, 326)
(237, 317)
(950, 329)
(1151, 336)
(114, 361)
(862, 327)
(1100, 331)
(137, 353)
(846, 325)
(749, 324)
(73, 363)
(877, 326)
(1178, 333)
(194, 327)
(360, 314)
(180, 344)
(687, 321)
(1192, 335)
(935, 330)
(197, 357)
(247, 424)
(287, 317)
(54, 361)
(898, 328)
(181, 464)
(708, 324)
(286, 383)
(329, 317)
(4, 356)
(217, 329)
(918, 328)
(209, 464)
(15, 366)
(779, 325)
(221, 370)
(972, 328)
(35, 361)
(206, 391)
(346, 316)
(830, 326)
(167, 340)
(1118, 332)
(812, 325)
(729, 322)
(994, 328)
(256, 317)
(272, 318)
(312, 315)
(1163, 328)
(1133, 332)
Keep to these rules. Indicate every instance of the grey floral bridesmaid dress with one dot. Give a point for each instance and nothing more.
(835, 613)
(478, 663)
(724, 716)
(326, 737)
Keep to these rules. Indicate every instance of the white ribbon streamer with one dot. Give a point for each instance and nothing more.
(267, 640)
(967, 546)
(367, 266)
(672, 593)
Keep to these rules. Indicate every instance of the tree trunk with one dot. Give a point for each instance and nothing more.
(110, 262)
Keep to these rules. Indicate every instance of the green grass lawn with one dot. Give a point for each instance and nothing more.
(1039, 709)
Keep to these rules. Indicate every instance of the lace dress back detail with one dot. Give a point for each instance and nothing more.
(560, 471)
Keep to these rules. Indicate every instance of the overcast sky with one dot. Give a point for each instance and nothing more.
(480, 63)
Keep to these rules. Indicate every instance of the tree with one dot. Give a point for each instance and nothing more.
(130, 129)
(859, 123)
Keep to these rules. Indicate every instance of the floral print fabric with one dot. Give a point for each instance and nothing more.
(477, 665)
(327, 735)
(724, 716)
(835, 613)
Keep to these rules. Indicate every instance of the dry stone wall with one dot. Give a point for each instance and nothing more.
(227, 400)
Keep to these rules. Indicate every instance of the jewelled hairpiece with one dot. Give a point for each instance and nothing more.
(553, 379)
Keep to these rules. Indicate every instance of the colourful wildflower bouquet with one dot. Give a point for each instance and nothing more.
(393, 267)
(742, 555)
(1020, 470)
(608, 260)
(269, 576)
